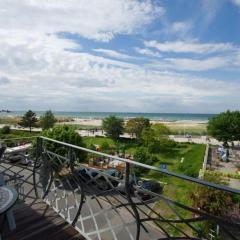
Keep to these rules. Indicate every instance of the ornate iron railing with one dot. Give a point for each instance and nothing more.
(116, 205)
(104, 202)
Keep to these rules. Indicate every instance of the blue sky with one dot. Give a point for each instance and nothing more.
(120, 55)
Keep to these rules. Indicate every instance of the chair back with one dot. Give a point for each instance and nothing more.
(2, 150)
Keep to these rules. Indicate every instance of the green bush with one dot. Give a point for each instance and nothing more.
(154, 147)
(161, 146)
(65, 134)
(6, 130)
(91, 147)
(105, 146)
(47, 120)
(143, 156)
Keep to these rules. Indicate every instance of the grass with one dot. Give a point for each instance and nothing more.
(15, 136)
(177, 189)
(9, 120)
(193, 129)
(81, 127)
(18, 134)
(128, 144)
(193, 155)
(98, 141)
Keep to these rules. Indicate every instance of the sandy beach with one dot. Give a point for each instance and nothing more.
(171, 124)
(178, 126)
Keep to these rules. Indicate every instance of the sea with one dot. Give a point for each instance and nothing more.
(171, 117)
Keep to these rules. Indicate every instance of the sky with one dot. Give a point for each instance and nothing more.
(120, 55)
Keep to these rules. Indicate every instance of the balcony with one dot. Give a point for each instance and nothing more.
(62, 198)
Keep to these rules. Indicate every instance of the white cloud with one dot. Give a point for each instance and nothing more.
(237, 2)
(112, 53)
(100, 20)
(197, 65)
(189, 47)
(180, 28)
(147, 52)
(42, 74)
(210, 9)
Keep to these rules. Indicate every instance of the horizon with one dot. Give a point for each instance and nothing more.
(58, 111)
(120, 55)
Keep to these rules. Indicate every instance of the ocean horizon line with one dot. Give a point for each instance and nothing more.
(125, 115)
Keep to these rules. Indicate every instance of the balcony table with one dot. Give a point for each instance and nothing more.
(8, 197)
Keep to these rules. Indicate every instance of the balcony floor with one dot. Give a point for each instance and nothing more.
(34, 218)
(39, 221)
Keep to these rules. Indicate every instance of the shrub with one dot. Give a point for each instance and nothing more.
(162, 145)
(47, 120)
(143, 156)
(91, 147)
(6, 130)
(65, 134)
(105, 146)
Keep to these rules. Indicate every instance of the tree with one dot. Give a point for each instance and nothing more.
(67, 134)
(47, 120)
(29, 120)
(225, 126)
(148, 136)
(113, 126)
(135, 126)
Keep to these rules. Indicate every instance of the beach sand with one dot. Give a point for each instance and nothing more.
(176, 125)
(179, 127)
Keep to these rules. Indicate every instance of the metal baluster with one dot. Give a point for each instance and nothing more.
(132, 204)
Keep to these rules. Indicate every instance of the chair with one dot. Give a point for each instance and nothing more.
(9, 213)
(2, 150)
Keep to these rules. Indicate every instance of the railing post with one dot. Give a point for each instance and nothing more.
(39, 148)
(71, 159)
(133, 206)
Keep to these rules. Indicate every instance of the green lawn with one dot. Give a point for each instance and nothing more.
(81, 127)
(193, 155)
(18, 134)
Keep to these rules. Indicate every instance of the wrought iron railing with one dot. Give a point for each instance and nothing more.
(111, 198)
(116, 204)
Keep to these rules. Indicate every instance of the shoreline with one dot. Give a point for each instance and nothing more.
(98, 122)
(88, 116)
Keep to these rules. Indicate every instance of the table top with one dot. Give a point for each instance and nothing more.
(8, 197)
